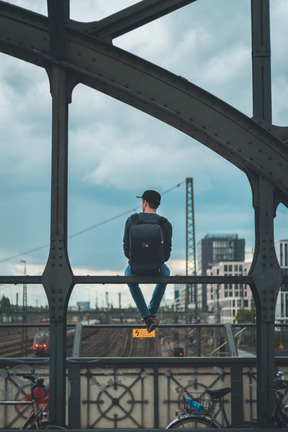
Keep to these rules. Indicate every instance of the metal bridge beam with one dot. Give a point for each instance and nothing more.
(250, 146)
(75, 53)
(261, 60)
(130, 18)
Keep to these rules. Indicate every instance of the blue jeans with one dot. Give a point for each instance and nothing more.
(156, 298)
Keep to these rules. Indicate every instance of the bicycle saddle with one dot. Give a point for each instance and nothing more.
(218, 392)
(29, 377)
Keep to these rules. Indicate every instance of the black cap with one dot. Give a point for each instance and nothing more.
(151, 196)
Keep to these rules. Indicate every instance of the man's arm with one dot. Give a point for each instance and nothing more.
(126, 239)
(167, 240)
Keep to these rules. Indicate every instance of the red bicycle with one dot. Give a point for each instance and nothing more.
(38, 399)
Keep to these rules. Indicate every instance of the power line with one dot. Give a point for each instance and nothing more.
(86, 229)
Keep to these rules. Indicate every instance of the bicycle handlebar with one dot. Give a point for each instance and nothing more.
(39, 382)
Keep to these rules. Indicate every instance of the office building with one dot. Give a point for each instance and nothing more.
(225, 300)
(281, 316)
(216, 248)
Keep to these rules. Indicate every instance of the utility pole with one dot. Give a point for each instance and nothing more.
(191, 290)
(191, 294)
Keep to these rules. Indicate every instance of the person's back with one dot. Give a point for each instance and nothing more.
(148, 217)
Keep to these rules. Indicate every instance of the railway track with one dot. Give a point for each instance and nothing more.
(16, 343)
(119, 343)
(96, 342)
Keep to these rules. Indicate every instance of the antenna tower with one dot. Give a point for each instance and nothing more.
(191, 289)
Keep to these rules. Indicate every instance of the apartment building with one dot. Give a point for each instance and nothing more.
(225, 300)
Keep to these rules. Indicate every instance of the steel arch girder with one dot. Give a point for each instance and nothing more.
(250, 146)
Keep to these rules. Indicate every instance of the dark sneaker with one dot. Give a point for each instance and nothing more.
(151, 323)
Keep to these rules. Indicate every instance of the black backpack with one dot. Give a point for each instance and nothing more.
(146, 246)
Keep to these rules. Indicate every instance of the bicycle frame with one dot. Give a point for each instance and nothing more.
(38, 399)
(220, 409)
(36, 412)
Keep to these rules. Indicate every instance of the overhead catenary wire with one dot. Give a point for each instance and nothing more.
(86, 229)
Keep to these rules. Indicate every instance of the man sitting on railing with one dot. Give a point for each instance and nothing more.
(147, 244)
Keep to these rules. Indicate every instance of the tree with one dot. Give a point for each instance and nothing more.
(5, 304)
(244, 316)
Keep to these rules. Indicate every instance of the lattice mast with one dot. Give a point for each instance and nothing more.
(191, 289)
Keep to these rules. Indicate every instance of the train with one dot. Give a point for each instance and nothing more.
(41, 341)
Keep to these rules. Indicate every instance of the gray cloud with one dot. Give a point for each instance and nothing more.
(115, 151)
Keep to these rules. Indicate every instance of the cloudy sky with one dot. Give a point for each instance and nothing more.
(116, 152)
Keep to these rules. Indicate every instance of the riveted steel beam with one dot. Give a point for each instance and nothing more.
(102, 280)
(248, 145)
(57, 277)
(58, 14)
(267, 278)
(130, 18)
(261, 60)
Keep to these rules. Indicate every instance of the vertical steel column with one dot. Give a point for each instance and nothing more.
(267, 277)
(57, 276)
(261, 64)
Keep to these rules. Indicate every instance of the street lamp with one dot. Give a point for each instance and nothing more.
(24, 290)
(24, 330)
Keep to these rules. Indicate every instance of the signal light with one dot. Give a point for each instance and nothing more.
(178, 352)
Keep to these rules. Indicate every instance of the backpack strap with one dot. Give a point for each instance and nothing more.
(135, 218)
(162, 221)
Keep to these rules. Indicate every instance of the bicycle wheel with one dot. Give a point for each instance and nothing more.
(192, 422)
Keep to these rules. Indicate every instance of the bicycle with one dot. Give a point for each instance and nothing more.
(280, 386)
(199, 413)
(38, 399)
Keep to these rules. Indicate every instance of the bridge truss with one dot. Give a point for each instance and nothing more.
(72, 53)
